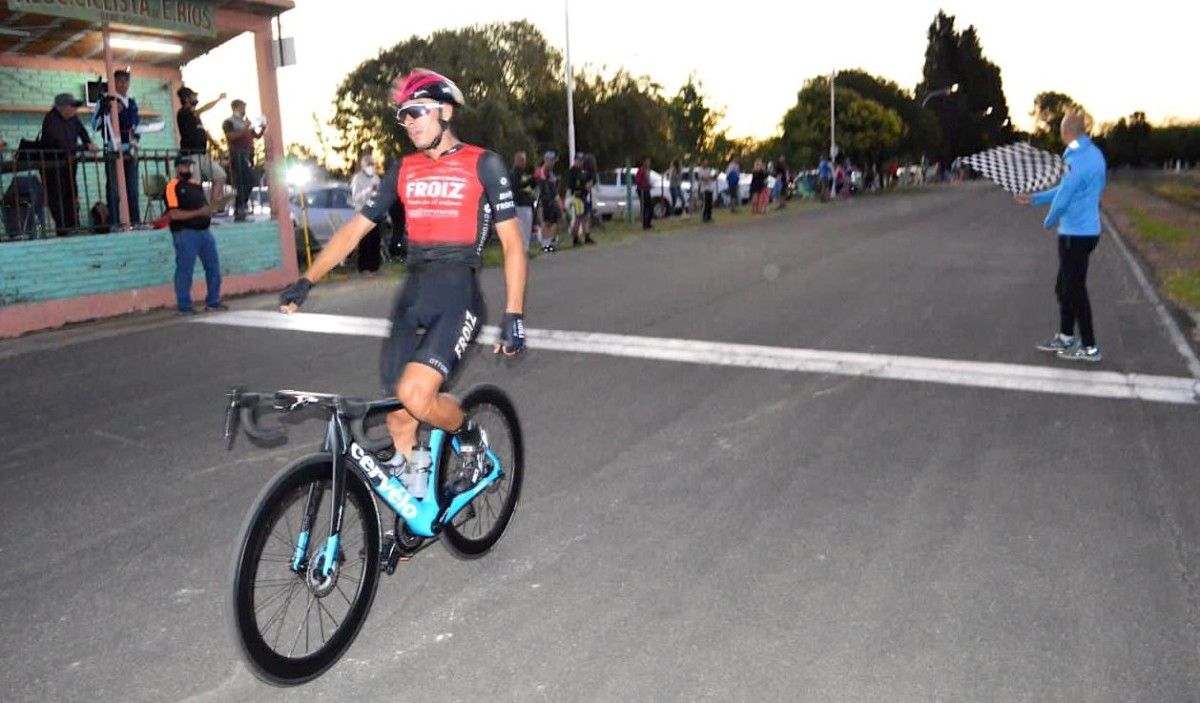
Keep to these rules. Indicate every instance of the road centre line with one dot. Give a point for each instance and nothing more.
(1013, 377)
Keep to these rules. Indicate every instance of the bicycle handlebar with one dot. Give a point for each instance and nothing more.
(244, 405)
(242, 410)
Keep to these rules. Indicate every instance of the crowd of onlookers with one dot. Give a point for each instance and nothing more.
(65, 166)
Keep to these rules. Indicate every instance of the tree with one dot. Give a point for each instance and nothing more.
(921, 133)
(867, 131)
(976, 116)
(693, 124)
(1048, 111)
(503, 69)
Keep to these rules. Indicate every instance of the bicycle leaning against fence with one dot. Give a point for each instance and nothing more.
(312, 547)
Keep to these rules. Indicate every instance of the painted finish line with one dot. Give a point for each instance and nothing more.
(1013, 377)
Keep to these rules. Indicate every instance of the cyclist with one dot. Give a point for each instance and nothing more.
(453, 193)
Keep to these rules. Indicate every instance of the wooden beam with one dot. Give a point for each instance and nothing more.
(49, 63)
(268, 95)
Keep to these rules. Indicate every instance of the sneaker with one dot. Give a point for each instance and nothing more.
(216, 308)
(548, 249)
(576, 243)
(186, 312)
(1057, 344)
(1079, 352)
(589, 240)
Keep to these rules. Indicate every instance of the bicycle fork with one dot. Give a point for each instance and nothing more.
(335, 442)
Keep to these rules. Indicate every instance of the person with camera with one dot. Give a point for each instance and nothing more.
(128, 120)
(453, 194)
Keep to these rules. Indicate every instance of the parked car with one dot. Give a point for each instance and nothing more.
(611, 183)
(329, 207)
(722, 197)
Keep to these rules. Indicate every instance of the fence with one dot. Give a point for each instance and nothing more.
(52, 193)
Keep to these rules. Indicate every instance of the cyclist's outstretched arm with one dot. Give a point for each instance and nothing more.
(339, 247)
(515, 262)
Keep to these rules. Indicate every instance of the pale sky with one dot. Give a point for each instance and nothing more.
(752, 61)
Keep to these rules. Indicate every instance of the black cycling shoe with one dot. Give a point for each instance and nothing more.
(472, 447)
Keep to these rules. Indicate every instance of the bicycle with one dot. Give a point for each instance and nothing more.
(296, 545)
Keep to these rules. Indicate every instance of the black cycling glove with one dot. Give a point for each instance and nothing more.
(512, 333)
(296, 293)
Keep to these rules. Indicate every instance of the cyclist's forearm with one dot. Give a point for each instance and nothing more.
(339, 247)
(515, 265)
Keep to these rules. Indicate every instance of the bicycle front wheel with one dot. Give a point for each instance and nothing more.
(293, 622)
(479, 525)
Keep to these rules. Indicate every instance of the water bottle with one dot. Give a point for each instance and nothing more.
(416, 473)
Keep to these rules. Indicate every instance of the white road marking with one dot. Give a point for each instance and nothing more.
(1014, 377)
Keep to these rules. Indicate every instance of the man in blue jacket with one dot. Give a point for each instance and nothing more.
(1075, 210)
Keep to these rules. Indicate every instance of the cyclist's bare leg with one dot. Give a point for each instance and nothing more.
(418, 389)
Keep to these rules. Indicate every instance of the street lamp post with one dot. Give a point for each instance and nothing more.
(570, 101)
(832, 119)
(939, 92)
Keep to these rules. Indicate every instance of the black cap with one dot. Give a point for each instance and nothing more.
(67, 100)
(181, 160)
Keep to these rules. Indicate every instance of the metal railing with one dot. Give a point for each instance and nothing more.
(52, 193)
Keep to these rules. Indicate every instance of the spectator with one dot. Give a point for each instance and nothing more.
(522, 183)
(240, 134)
(194, 141)
(825, 178)
(758, 188)
(190, 217)
(1075, 210)
(707, 182)
(128, 121)
(363, 187)
(733, 177)
(781, 181)
(399, 237)
(62, 135)
(839, 180)
(579, 186)
(641, 181)
(675, 180)
(549, 201)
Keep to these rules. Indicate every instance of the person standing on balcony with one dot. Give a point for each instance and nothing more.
(194, 141)
(128, 121)
(240, 135)
(62, 135)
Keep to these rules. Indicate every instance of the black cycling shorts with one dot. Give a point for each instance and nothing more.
(436, 316)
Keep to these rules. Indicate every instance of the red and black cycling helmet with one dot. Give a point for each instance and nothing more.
(423, 83)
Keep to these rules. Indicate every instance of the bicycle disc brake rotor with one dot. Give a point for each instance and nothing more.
(318, 584)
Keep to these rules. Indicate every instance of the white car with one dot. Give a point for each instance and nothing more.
(722, 197)
(613, 185)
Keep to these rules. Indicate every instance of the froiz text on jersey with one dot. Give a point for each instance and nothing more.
(436, 187)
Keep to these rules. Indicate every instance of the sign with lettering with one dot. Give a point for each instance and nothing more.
(196, 17)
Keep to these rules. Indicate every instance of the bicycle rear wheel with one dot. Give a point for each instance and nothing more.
(479, 525)
(294, 624)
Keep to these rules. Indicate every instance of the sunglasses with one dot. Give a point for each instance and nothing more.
(413, 111)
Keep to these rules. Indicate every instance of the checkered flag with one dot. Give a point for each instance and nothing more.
(1018, 168)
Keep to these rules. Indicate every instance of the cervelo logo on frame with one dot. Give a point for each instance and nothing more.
(396, 497)
(436, 188)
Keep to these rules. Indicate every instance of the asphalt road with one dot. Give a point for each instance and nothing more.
(687, 531)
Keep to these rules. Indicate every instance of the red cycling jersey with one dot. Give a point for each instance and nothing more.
(450, 203)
